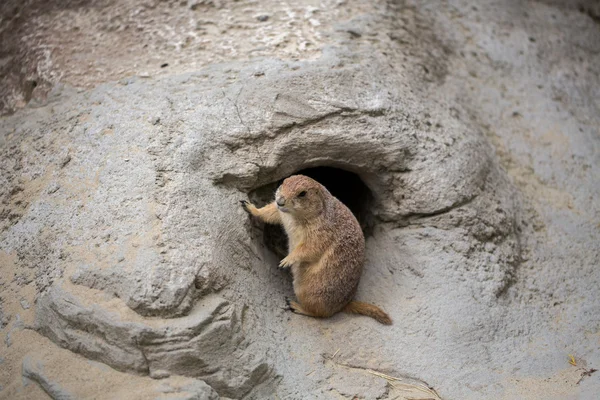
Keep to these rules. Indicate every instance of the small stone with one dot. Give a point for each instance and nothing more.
(25, 304)
(129, 80)
(354, 33)
(262, 17)
(65, 160)
(144, 75)
(489, 247)
(159, 374)
(19, 324)
(53, 188)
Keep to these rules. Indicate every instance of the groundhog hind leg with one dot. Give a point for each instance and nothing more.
(297, 308)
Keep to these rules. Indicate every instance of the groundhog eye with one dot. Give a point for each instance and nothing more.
(302, 193)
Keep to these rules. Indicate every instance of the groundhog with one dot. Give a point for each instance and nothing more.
(326, 248)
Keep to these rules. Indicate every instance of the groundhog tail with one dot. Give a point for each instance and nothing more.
(358, 307)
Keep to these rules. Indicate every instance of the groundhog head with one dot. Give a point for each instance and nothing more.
(301, 196)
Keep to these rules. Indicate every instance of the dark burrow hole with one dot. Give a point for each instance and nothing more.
(345, 185)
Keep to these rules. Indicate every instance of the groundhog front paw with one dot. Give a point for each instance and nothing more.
(248, 207)
(286, 263)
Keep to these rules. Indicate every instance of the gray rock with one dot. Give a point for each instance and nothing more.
(34, 370)
(187, 237)
(59, 384)
(475, 149)
(206, 343)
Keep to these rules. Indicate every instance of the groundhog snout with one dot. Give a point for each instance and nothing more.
(280, 201)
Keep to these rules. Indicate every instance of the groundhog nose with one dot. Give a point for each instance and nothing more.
(280, 202)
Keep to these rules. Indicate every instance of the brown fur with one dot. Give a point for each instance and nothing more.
(326, 248)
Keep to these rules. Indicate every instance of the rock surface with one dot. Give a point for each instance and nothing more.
(474, 129)
(95, 380)
(194, 345)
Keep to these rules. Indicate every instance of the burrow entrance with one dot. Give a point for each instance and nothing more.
(346, 186)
